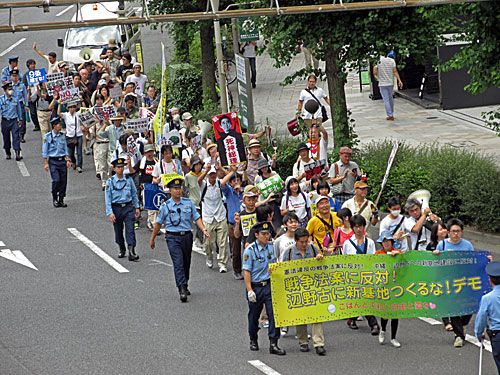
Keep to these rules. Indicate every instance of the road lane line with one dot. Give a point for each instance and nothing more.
(2, 243)
(432, 322)
(96, 250)
(261, 366)
(12, 46)
(23, 169)
(64, 10)
(475, 341)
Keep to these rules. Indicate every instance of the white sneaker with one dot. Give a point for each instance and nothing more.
(284, 331)
(381, 337)
(360, 319)
(210, 263)
(458, 342)
(395, 343)
(222, 269)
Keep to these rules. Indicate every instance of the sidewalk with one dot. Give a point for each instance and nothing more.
(276, 105)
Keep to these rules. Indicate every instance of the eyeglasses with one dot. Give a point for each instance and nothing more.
(456, 231)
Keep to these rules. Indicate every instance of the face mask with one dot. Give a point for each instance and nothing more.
(10, 92)
(395, 212)
(177, 117)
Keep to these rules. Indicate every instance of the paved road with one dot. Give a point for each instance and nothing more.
(77, 315)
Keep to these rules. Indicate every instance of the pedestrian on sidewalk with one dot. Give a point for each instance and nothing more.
(248, 50)
(384, 72)
(314, 94)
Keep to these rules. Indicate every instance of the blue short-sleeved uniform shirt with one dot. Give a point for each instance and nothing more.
(120, 191)
(54, 145)
(489, 308)
(256, 259)
(177, 216)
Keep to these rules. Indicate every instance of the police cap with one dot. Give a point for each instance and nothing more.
(14, 72)
(7, 85)
(13, 58)
(493, 269)
(175, 183)
(118, 162)
(55, 120)
(263, 227)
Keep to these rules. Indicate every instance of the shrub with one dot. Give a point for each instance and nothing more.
(287, 154)
(184, 89)
(461, 182)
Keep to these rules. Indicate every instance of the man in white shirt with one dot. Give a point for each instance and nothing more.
(248, 50)
(51, 60)
(385, 71)
(314, 93)
(214, 216)
(359, 205)
(298, 168)
(138, 78)
(417, 224)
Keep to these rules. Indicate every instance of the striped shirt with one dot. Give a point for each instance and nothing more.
(385, 72)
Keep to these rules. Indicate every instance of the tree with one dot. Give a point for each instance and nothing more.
(183, 32)
(343, 40)
(479, 28)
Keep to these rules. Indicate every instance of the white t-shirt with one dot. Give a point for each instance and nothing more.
(72, 124)
(425, 237)
(52, 68)
(296, 204)
(282, 244)
(306, 96)
(139, 83)
(298, 167)
(385, 71)
(167, 168)
(390, 224)
(348, 248)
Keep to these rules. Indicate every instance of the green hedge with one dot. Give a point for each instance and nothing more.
(463, 184)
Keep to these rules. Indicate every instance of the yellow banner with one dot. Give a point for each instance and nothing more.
(161, 111)
(247, 222)
(167, 177)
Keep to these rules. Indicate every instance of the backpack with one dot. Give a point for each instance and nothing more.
(204, 191)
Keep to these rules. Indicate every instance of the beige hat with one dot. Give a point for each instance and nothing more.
(250, 191)
(187, 116)
(112, 43)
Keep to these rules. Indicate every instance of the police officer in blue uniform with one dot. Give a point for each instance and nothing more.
(177, 213)
(121, 199)
(21, 94)
(11, 121)
(256, 260)
(13, 60)
(56, 160)
(489, 308)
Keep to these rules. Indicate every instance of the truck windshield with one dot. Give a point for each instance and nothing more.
(92, 37)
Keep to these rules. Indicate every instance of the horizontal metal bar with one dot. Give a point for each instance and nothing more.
(234, 13)
(39, 3)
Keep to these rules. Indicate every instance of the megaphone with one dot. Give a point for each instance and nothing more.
(86, 53)
(205, 128)
(423, 196)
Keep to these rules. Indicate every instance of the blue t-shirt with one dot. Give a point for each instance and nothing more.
(233, 201)
(446, 245)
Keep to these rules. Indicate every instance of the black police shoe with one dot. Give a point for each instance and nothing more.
(183, 293)
(61, 202)
(320, 350)
(254, 344)
(132, 256)
(8, 157)
(123, 251)
(18, 155)
(275, 349)
(56, 203)
(375, 330)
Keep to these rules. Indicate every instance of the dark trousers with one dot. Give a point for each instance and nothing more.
(10, 127)
(372, 321)
(235, 248)
(253, 70)
(78, 162)
(59, 174)
(125, 216)
(34, 115)
(495, 349)
(263, 294)
(394, 326)
(458, 323)
(22, 129)
(180, 249)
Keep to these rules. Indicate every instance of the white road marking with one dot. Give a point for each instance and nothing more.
(261, 366)
(199, 250)
(475, 341)
(432, 322)
(1, 243)
(23, 169)
(12, 46)
(158, 262)
(18, 257)
(95, 249)
(64, 11)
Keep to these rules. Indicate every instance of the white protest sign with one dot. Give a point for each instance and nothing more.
(106, 112)
(173, 139)
(115, 92)
(69, 95)
(86, 118)
(146, 113)
(196, 143)
(138, 125)
(55, 83)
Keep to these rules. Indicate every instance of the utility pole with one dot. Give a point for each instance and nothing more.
(220, 59)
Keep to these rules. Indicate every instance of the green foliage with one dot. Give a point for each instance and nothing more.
(184, 90)
(479, 29)
(287, 154)
(461, 182)
(154, 77)
(492, 119)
